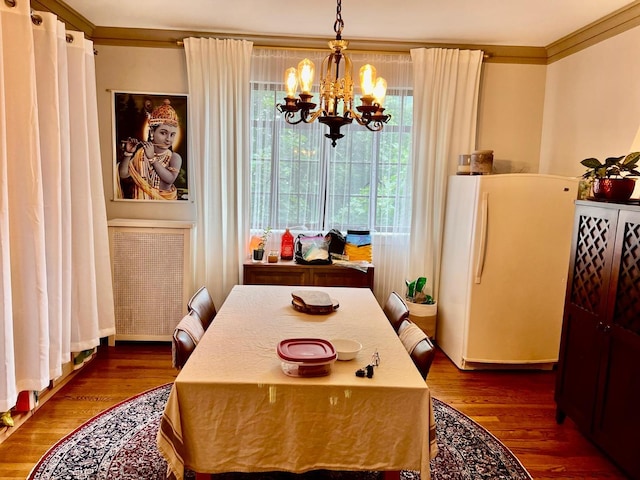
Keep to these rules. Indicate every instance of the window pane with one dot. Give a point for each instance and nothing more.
(298, 182)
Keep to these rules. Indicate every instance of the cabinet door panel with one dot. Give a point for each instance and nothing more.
(275, 275)
(585, 312)
(340, 277)
(625, 293)
(594, 235)
(617, 422)
(578, 374)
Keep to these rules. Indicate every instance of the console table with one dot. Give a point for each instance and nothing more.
(291, 273)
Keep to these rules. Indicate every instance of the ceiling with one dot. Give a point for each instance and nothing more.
(536, 23)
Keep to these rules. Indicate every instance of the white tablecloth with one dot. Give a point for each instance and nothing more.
(232, 408)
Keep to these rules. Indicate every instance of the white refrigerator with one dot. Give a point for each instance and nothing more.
(504, 268)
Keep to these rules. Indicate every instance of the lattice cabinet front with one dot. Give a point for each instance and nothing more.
(592, 263)
(598, 378)
(151, 270)
(627, 304)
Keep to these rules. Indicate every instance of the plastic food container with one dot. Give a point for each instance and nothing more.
(306, 357)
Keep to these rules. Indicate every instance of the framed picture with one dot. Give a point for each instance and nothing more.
(150, 147)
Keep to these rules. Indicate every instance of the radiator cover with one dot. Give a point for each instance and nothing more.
(151, 270)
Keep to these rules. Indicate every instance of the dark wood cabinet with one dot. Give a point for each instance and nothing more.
(598, 383)
(291, 273)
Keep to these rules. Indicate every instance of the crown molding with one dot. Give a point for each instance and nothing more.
(617, 22)
(613, 24)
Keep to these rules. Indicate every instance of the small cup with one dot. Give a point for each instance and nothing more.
(464, 165)
(273, 256)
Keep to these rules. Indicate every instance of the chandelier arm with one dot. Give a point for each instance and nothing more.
(314, 115)
(290, 118)
(374, 126)
(359, 118)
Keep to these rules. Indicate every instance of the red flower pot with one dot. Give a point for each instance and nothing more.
(614, 189)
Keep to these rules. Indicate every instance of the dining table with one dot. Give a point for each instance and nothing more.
(232, 408)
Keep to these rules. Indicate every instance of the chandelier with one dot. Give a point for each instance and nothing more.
(336, 91)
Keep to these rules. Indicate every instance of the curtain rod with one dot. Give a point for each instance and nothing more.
(37, 20)
(485, 55)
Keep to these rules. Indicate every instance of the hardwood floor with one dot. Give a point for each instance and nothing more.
(517, 407)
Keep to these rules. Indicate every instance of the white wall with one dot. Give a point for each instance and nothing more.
(144, 70)
(510, 115)
(592, 104)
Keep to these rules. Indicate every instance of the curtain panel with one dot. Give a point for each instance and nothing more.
(446, 90)
(218, 76)
(55, 282)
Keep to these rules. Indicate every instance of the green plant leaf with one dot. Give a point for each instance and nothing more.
(612, 160)
(411, 286)
(591, 163)
(631, 160)
(420, 284)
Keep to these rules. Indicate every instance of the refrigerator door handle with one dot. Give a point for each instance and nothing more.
(484, 211)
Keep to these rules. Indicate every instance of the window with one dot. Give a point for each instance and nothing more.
(299, 181)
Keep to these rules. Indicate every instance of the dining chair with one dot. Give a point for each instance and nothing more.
(185, 338)
(201, 305)
(396, 310)
(418, 345)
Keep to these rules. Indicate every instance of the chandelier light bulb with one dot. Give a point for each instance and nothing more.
(380, 91)
(367, 80)
(306, 70)
(291, 82)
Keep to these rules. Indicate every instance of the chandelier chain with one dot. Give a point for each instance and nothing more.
(339, 24)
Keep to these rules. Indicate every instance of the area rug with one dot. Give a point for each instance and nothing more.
(120, 444)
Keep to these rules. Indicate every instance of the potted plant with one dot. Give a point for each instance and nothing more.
(258, 251)
(611, 179)
(423, 309)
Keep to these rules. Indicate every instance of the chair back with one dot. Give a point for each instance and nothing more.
(186, 336)
(419, 346)
(201, 305)
(396, 310)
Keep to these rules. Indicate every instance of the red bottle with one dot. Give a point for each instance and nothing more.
(286, 246)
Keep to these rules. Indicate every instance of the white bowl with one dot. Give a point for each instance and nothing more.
(345, 348)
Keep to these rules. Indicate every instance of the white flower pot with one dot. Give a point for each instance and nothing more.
(424, 316)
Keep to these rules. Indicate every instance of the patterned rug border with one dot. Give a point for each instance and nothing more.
(52, 450)
(491, 458)
(464, 418)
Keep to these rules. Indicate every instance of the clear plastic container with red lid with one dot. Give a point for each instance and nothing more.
(306, 357)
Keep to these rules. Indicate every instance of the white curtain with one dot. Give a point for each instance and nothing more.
(219, 142)
(56, 280)
(445, 95)
(391, 247)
